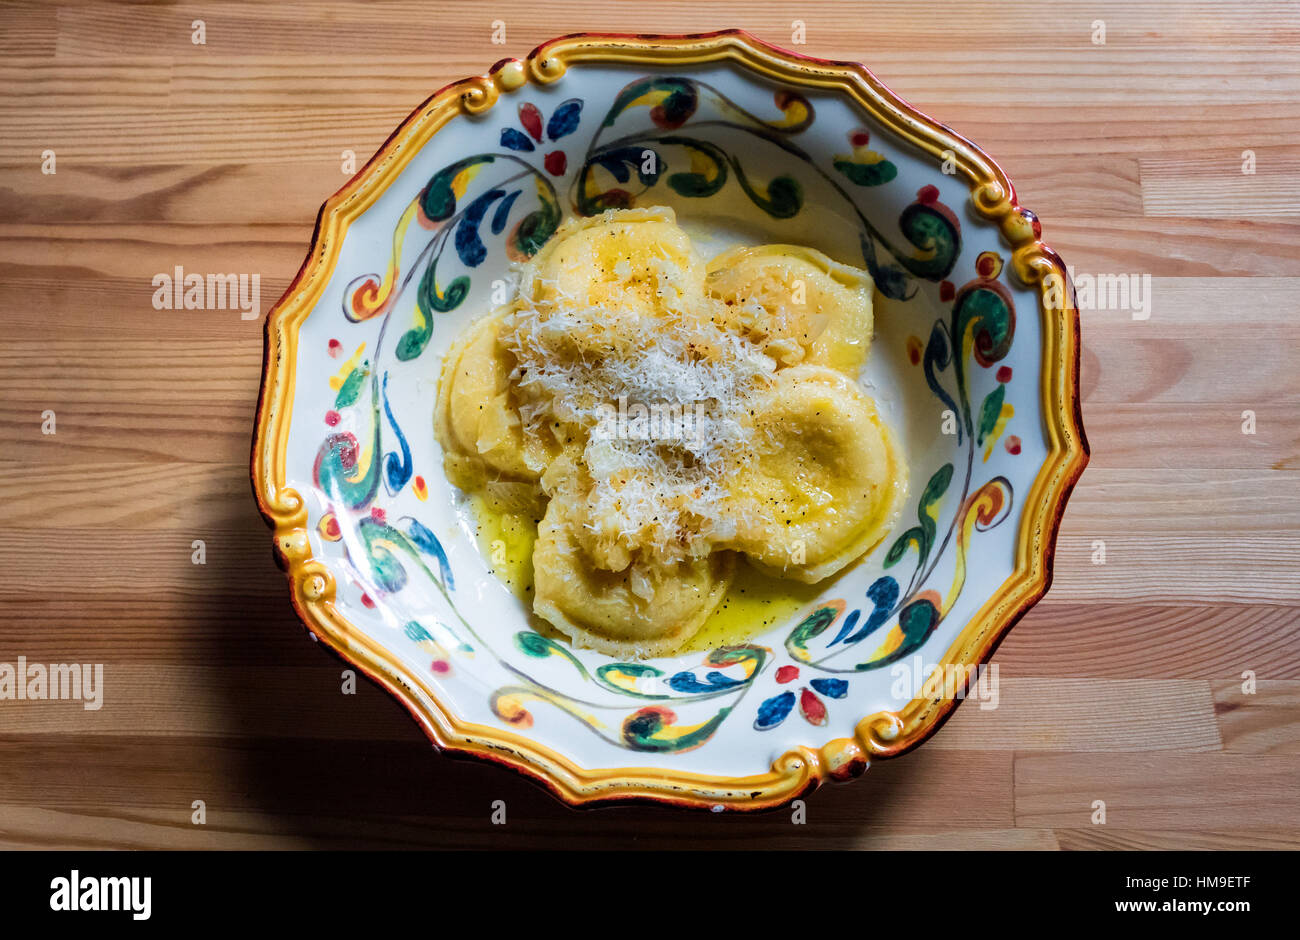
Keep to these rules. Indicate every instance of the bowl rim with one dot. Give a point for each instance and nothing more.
(880, 735)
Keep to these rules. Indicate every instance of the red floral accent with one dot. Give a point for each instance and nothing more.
(914, 349)
(811, 707)
(787, 674)
(1004, 374)
(859, 138)
(378, 514)
(946, 291)
(531, 119)
(1013, 445)
(335, 348)
(556, 162)
(927, 194)
(331, 417)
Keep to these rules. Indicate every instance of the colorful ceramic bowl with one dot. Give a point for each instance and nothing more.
(975, 363)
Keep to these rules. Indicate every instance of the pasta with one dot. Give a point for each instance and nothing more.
(818, 493)
(672, 416)
(638, 609)
(796, 304)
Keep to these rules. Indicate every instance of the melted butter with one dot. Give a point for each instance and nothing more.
(505, 539)
(753, 603)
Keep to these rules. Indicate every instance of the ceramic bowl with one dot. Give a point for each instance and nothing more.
(974, 363)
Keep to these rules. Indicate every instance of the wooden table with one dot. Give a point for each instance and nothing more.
(1124, 685)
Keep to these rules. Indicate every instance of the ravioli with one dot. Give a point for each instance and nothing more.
(622, 262)
(784, 458)
(645, 609)
(824, 485)
(476, 422)
(795, 304)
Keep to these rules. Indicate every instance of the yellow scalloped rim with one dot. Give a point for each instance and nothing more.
(884, 734)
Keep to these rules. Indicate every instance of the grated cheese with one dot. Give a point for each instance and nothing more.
(662, 499)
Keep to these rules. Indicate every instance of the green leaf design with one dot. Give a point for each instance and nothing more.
(784, 196)
(676, 108)
(811, 627)
(990, 411)
(623, 677)
(927, 511)
(534, 644)
(385, 567)
(536, 228)
(430, 297)
(336, 466)
(635, 670)
(936, 235)
(439, 200)
(916, 621)
(984, 315)
(731, 655)
(540, 647)
(644, 730)
(412, 342)
(867, 174)
(415, 632)
(350, 390)
(694, 184)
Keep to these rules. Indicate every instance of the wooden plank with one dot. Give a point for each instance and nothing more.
(1188, 502)
(138, 252)
(249, 622)
(237, 624)
(1198, 23)
(243, 193)
(1178, 434)
(1164, 790)
(1265, 720)
(115, 563)
(130, 494)
(1136, 640)
(1175, 569)
(1215, 185)
(1086, 715)
(1234, 840)
(28, 29)
(201, 702)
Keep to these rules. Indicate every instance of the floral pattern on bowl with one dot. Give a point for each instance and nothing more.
(975, 363)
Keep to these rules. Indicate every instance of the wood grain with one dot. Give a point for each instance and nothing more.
(1130, 684)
